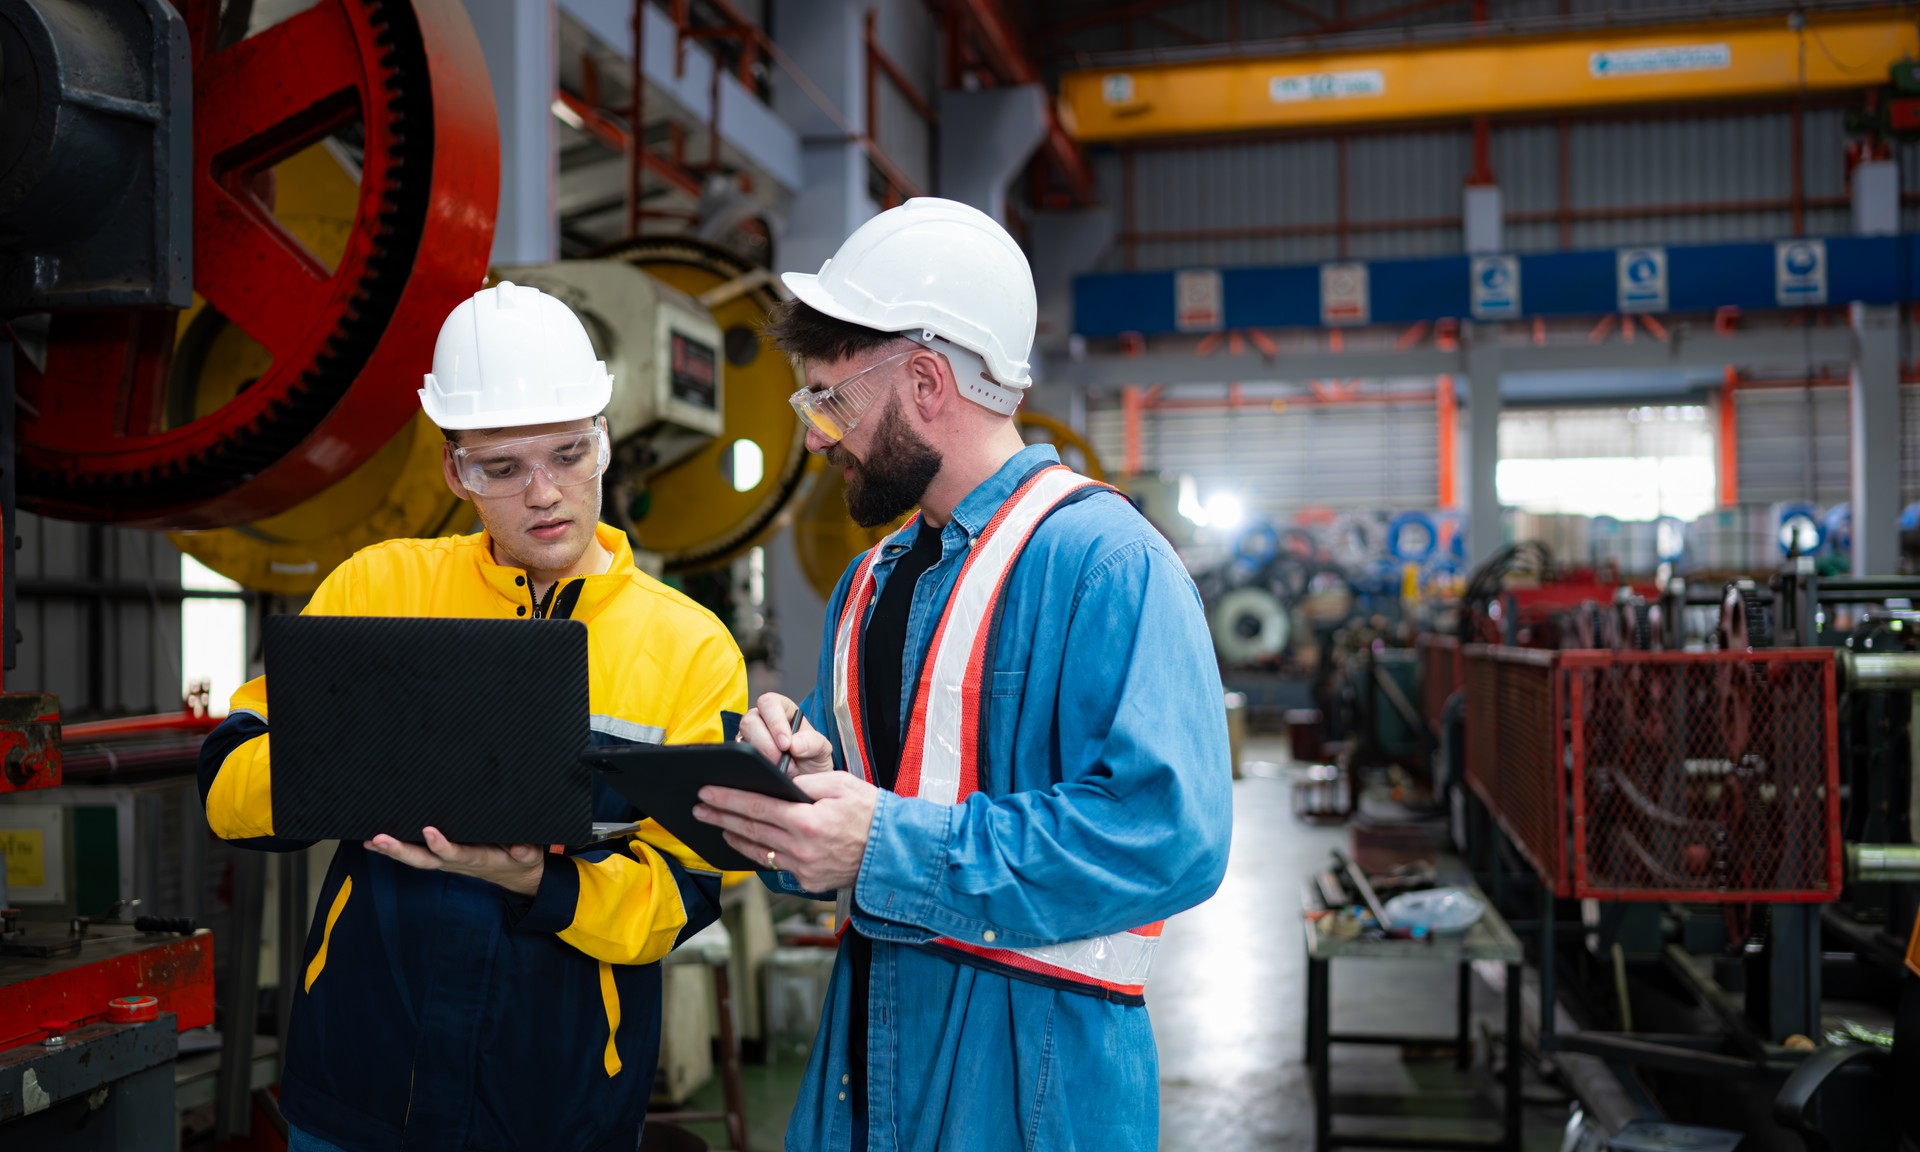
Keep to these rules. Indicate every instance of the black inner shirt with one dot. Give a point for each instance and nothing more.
(882, 671)
(883, 659)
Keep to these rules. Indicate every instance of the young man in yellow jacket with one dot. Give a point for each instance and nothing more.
(479, 996)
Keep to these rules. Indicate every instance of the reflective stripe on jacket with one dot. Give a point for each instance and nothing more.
(940, 757)
(437, 1011)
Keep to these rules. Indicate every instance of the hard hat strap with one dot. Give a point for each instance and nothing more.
(970, 373)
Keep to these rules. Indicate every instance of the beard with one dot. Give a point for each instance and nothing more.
(899, 467)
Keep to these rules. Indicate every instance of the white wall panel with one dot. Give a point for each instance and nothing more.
(1278, 461)
(1793, 444)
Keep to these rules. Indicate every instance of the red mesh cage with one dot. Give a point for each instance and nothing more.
(1696, 776)
(1515, 749)
(1439, 677)
(1709, 776)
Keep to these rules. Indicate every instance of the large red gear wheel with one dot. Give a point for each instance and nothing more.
(100, 437)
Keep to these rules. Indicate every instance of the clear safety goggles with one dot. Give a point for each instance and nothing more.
(835, 411)
(506, 468)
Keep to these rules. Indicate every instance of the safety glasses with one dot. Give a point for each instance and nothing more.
(834, 412)
(506, 468)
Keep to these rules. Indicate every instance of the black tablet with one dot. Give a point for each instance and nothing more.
(664, 782)
(391, 724)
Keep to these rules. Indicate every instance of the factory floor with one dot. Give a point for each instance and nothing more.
(1229, 1011)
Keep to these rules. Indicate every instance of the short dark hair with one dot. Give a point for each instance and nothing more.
(807, 333)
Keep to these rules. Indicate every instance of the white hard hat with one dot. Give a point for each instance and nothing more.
(509, 356)
(936, 268)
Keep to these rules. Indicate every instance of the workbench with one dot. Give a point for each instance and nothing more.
(1489, 939)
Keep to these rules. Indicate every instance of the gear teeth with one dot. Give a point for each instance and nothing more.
(400, 214)
(1743, 611)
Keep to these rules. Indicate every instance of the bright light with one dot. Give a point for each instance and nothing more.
(748, 465)
(1224, 511)
(1624, 487)
(567, 115)
(1188, 504)
(213, 634)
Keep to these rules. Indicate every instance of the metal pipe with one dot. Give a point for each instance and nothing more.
(1883, 863)
(1620, 992)
(1879, 671)
(1913, 767)
(138, 726)
(1707, 991)
(112, 763)
(1863, 589)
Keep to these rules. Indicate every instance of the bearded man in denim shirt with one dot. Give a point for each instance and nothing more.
(1016, 743)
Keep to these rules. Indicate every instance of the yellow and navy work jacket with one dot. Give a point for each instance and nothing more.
(438, 1011)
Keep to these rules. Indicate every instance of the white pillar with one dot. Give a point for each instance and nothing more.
(1876, 198)
(1482, 454)
(517, 38)
(1875, 386)
(1483, 220)
(826, 40)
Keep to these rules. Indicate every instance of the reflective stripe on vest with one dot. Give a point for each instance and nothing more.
(939, 760)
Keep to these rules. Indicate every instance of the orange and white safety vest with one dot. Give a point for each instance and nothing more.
(945, 737)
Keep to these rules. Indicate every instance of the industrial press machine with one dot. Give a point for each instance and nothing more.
(226, 246)
(1699, 798)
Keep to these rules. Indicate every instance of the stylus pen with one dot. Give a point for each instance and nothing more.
(786, 758)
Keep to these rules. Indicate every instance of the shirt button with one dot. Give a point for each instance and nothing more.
(987, 935)
(843, 1095)
(520, 611)
(844, 1078)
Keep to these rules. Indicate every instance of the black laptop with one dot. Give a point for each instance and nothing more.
(393, 724)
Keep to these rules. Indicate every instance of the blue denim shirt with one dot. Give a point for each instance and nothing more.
(1105, 803)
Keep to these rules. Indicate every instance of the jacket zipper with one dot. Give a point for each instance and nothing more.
(545, 603)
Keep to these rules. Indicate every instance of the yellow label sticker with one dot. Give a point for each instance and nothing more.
(26, 853)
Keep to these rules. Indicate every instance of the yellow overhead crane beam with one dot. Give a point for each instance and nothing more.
(1722, 60)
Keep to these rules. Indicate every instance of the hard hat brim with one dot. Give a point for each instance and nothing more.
(807, 288)
(592, 405)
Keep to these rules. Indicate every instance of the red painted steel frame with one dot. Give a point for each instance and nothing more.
(177, 972)
(100, 412)
(31, 753)
(1729, 442)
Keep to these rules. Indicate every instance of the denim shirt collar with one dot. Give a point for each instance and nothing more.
(970, 517)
